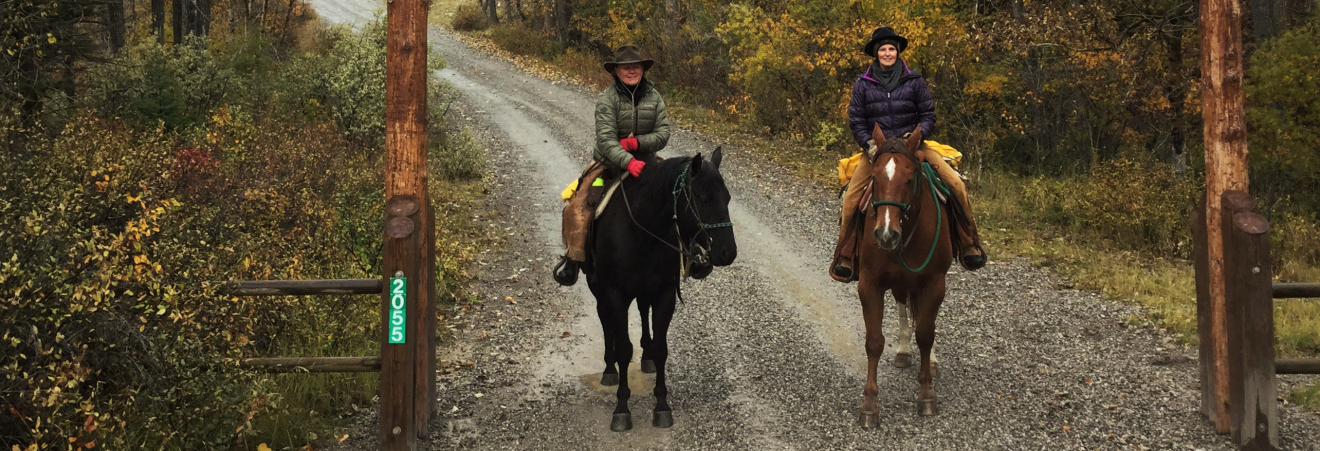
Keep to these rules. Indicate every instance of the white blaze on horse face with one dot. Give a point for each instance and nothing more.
(889, 175)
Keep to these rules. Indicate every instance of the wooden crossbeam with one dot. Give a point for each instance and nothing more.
(301, 287)
(1297, 366)
(1296, 290)
(366, 364)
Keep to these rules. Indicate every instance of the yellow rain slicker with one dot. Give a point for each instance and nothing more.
(573, 186)
(848, 165)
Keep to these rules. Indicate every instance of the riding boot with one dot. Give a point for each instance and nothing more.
(971, 254)
(845, 251)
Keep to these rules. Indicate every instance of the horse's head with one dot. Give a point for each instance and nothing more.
(706, 221)
(894, 172)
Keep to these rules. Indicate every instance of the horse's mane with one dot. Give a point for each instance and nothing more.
(657, 180)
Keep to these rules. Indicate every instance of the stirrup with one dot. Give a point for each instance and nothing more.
(566, 272)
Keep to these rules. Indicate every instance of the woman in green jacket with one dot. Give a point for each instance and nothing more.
(632, 125)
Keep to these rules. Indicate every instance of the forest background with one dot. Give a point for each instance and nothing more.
(1080, 121)
(144, 154)
(149, 146)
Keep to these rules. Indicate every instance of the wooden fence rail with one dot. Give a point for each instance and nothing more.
(368, 364)
(1297, 366)
(1296, 290)
(301, 287)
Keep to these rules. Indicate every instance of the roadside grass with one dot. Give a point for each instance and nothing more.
(1164, 287)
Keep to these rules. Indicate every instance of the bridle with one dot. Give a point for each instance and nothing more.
(693, 251)
(924, 170)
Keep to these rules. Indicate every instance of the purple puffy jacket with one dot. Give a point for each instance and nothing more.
(897, 112)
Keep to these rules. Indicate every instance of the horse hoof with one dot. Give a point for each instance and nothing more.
(927, 407)
(869, 420)
(609, 379)
(903, 360)
(648, 366)
(662, 419)
(622, 422)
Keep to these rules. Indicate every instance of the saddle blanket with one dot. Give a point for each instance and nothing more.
(572, 188)
(848, 165)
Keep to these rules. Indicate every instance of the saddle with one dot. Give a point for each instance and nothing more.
(847, 248)
(590, 195)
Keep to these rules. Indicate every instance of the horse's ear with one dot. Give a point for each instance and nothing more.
(914, 141)
(695, 167)
(717, 157)
(878, 136)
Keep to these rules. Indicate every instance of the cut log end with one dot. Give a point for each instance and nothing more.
(1251, 223)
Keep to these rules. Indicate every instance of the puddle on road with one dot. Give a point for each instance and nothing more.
(640, 383)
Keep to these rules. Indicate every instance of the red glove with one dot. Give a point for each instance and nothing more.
(629, 143)
(635, 167)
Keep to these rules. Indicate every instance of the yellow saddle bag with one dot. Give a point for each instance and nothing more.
(848, 165)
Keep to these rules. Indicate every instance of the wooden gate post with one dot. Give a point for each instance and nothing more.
(401, 271)
(1250, 307)
(406, 50)
(1225, 163)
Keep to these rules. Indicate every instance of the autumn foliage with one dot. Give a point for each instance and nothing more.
(173, 167)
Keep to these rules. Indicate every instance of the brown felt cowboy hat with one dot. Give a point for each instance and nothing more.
(881, 36)
(627, 54)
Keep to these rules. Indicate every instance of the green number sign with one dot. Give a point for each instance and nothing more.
(398, 308)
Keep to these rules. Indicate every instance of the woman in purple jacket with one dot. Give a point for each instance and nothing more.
(895, 97)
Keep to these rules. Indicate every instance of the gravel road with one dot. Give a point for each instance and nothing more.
(767, 353)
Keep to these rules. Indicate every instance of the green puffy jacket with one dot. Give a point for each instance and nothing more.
(620, 113)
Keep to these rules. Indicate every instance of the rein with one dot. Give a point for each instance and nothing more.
(928, 172)
(693, 251)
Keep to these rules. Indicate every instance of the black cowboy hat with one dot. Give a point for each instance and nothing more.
(884, 35)
(627, 54)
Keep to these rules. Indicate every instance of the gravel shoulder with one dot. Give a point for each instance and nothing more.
(767, 353)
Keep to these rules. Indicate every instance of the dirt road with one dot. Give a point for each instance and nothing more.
(767, 353)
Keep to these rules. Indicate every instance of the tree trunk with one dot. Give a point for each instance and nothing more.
(561, 20)
(492, 10)
(176, 13)
(509, 11)
(547, 8)
(265, 8)
(670, 38)
(1175, 90)
(1267, 18)
(1225, 169)
(114, 24)
(1019, 10)
(158, 20)
(287, 16)
(201, 17)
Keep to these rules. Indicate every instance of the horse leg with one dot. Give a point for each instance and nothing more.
(903, 353)
(623, 351)
(927, 309)
(873, 313)
(663, 312)
(605, 312)
(648, 356)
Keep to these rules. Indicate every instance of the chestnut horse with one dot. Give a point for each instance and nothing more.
(910, 255)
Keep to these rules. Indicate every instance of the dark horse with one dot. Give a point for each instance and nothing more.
(676, 213)
(910, 255)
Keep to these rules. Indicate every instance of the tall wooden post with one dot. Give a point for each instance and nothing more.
(1253, 389)
(401, 269)
(405, 175)
(1225, 168)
